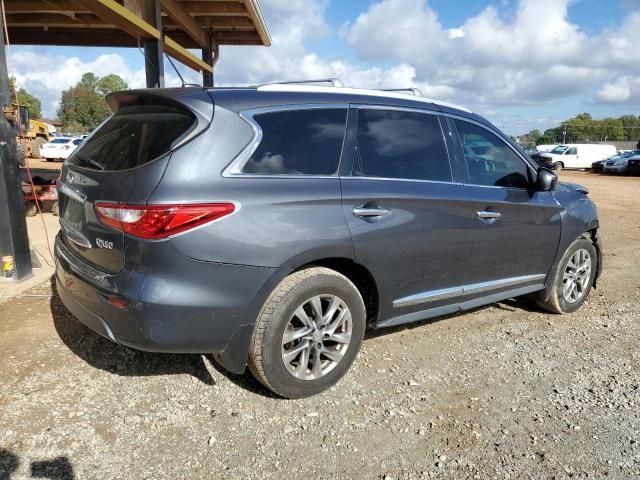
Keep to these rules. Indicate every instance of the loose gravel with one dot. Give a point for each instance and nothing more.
(505, 391)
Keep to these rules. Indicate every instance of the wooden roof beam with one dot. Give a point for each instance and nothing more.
(256, 15)
(185, 21)
(41, 6)
(180, 53)
(214, 9)
(115, 14)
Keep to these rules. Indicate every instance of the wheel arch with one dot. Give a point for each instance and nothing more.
(235, 355)
(359, 275)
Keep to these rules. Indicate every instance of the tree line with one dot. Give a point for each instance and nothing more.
(583, 128)
(82, 106)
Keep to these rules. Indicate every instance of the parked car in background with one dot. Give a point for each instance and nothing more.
(619, 163)
(598, 165)
(633, 165)
(576, 155)
(60, 148)
(323, 212)
(545, 148)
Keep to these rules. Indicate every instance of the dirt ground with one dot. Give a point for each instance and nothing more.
(506, 391)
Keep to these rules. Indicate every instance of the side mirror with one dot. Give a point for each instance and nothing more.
(546, 181)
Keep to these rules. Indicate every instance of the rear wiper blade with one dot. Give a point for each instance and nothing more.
(98, 165)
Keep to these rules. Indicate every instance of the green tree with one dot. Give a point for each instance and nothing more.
(82, 106)
(612, 129)
(33, 103)
(110, 83)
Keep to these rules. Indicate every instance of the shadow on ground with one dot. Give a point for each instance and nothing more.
(59, 468)
(101, 353)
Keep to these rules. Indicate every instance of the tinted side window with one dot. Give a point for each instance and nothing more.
(299, 142)
(135, 135)
(397, 144)
(491, 162)
(572, 151)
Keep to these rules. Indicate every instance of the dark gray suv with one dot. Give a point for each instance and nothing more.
(272, 225)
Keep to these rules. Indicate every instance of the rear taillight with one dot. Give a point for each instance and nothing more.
(160, 221)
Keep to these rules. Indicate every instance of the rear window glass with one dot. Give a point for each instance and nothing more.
(132, 137)
(299, 142)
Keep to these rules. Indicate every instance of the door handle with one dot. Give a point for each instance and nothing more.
(370, 212)
(489, 215)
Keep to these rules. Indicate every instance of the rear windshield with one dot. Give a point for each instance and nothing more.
(132, 137)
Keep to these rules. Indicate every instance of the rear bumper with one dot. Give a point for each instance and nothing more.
(203, 308)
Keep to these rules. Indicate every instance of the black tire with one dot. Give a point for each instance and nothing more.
(558, 166)
(36, 144)
(557, 302)
(30, 209)
(20, 155)
(266, 352)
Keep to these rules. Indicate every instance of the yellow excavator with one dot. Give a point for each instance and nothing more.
(31, 134)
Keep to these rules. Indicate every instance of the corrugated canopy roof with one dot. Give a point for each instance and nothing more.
(119, 23)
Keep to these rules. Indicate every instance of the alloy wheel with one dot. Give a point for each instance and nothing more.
(577, 274)
(316, 337)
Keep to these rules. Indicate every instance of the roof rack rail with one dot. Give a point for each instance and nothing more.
(411, 91)
(330, 82)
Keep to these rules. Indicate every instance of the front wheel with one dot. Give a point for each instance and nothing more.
(308, 333)
(574, 278)
(558, 166)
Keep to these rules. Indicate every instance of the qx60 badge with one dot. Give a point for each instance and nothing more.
(104, 244)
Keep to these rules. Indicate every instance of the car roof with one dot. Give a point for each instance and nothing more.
(243, 98)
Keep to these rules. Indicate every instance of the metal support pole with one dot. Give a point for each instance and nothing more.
(210, 56)
(14, 240)
(153, 48)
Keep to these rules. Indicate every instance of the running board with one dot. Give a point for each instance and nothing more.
(458, 307)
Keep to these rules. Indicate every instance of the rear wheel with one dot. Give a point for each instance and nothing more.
(558, 166)
(308, 333)
(574, 278)
(36, 144)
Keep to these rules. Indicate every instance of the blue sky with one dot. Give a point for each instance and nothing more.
(522, 63)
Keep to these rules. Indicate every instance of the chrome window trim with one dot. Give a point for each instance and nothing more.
(392, 179)
(373, 106)
(471, 289)
(498, 134)
(234, 169)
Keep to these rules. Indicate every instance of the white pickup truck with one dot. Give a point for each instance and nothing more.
(576, 155)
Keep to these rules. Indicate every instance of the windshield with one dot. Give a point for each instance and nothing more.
(559, 150)
(60, 140)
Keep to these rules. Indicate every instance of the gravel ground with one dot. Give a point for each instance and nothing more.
(505, 391)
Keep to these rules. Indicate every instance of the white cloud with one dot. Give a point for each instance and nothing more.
(535, 55)
(491, 61)
(62, 73)
(623, 89)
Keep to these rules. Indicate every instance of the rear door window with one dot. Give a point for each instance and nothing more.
(299, 142)
(134, 136)
(400, 144)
